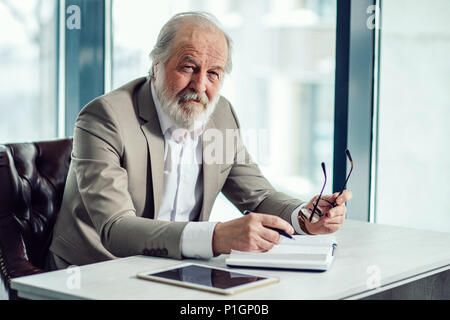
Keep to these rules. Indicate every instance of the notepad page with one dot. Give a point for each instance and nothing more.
(301, 245)
(276, 256)
(286, 250)
(304, 252)
(308, 240)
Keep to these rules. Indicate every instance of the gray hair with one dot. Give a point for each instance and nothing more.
(162, 50)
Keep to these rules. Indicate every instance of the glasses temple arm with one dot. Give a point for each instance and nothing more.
(320, 195)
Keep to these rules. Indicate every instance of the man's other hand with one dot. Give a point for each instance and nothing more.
(333, 216)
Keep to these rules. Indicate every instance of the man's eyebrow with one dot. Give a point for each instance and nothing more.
(193, 60)
(190, 59)
(217, 67)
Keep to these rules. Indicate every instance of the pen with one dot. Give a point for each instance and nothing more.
(283, 233)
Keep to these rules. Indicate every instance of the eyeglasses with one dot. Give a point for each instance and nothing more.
(316, 210)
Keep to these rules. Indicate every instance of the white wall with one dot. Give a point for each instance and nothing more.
(414, 111)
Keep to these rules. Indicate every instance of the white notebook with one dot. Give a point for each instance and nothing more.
(305, 252)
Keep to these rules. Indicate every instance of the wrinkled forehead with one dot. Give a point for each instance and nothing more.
(201, 41)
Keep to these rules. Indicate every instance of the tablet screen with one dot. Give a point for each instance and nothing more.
(210, 277)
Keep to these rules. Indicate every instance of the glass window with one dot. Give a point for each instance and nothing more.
(28, 65)
(413, 168)
(281, 86)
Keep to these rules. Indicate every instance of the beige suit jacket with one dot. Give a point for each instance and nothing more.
(115, 181)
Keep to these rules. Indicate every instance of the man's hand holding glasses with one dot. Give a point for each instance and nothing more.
(326, 213)
(331, 217)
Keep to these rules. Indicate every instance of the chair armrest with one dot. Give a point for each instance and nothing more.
(14, 260)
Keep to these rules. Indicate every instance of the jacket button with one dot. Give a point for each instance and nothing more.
(165, 252)
(158, 252)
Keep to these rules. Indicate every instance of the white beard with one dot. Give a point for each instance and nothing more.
(181, 109)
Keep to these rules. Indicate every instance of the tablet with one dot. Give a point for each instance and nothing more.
(207, 278)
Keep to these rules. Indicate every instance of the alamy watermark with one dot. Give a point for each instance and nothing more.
(229, 146)
(374, 277)
(373, 21)
(73, 281)
(73, 21)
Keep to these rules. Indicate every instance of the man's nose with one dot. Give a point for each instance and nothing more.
(198, 82)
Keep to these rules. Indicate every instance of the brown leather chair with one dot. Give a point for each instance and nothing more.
(32, 180)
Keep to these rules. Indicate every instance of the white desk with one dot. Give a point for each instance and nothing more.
(398, 255)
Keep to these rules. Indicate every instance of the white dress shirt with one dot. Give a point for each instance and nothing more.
(183, 186)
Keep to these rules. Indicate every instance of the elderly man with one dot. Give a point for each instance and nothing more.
(141, 180)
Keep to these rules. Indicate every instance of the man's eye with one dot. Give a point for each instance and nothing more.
(214, 74)
(189, 67)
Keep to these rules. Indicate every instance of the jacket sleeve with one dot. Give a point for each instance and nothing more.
(103, 184)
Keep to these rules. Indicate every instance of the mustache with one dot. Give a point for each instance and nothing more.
(190, 95)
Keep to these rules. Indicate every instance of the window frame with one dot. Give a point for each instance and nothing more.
(354, 104)
(84, 59)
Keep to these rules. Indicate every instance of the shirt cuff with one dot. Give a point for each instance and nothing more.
(294, 219)
(196, 240)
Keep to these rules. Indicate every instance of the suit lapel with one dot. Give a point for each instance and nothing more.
(155, 141)
(210, 176)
